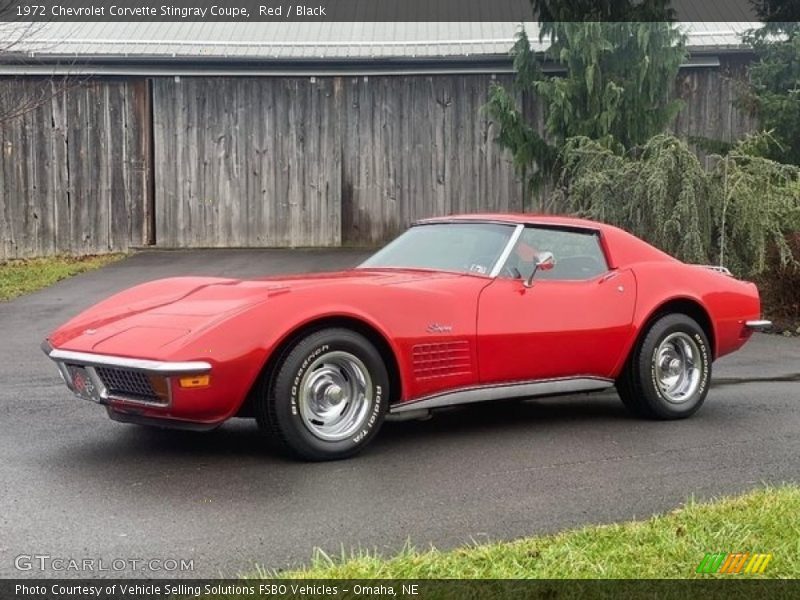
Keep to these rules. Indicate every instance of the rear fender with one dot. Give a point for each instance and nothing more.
(723, 302)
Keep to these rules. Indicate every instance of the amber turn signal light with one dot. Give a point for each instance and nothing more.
(195, 381)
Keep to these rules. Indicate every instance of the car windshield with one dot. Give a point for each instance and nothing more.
(460, 247)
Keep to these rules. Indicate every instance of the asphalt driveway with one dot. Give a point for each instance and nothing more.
(76, 485)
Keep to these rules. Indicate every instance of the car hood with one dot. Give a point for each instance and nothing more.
(144, 319)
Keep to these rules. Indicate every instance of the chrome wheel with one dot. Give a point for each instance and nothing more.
(335, 396)
(677, 365)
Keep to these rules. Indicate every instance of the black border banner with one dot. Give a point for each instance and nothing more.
(388, 10)
(342, 589)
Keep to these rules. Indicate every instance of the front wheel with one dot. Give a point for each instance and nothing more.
(328, 398)
(668, 373)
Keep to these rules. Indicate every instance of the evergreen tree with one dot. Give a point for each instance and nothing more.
(616, 89)
(782, 12)
(773, 92)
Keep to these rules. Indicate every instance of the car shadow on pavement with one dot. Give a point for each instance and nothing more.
(240, 438)
(236, 460)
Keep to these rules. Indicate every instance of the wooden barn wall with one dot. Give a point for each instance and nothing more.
(710, 107)
(73, 170)
(276, 162)
(417, 147)
(247, 162)
(302, 162)
(354, 160)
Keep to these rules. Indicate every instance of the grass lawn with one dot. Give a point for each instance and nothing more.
(664, 546)
(19, 277)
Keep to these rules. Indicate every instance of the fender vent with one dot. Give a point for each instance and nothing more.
(441, 360)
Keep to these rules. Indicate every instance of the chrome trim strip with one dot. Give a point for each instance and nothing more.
(465, 221)
(759, 325)
(717, 269)
(102, 390)
(501, 260)
(541, 387)
(137, 364)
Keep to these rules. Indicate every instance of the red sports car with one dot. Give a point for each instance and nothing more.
(456, 310)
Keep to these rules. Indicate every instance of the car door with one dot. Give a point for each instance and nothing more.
(574, 320)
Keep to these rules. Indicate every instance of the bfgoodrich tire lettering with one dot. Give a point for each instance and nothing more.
(328, 398)
(669, 371)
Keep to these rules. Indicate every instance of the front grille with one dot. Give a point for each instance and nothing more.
(128, 384)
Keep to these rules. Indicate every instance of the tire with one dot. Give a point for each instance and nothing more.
(668, 373)
(328, 397)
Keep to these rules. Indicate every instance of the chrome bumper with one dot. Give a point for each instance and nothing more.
(89, 367)
(760, 325)
(122, 362)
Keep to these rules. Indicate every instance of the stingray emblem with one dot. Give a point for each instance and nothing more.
(438, 328)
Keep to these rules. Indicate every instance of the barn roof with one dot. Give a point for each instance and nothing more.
(101, 45)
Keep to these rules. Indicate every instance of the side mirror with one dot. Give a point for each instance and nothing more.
(545, 261)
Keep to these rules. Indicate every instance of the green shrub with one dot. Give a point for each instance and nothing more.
(730, 214)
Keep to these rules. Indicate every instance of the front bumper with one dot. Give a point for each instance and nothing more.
(129, 416)
(117, 379)
(759, 325)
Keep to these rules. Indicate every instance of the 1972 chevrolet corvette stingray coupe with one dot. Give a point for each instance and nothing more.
(455, 310)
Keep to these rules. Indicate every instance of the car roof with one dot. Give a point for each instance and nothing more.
(622, 248)
(521, 218)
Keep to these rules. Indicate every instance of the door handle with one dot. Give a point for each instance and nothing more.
(608, 276)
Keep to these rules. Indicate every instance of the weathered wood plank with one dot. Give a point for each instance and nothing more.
(247, 162)
(416, 147)
(72, 181)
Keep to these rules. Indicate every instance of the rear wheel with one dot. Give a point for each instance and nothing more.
(328, 397)
(669, 370)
